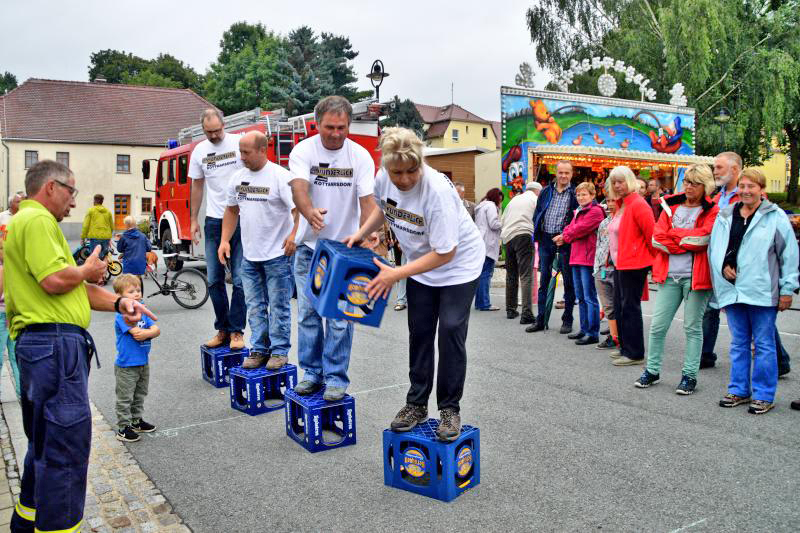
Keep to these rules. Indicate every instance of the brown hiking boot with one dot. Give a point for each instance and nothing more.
(277, 361)
(408, 417)
(219, 339)
(237, 341)
(254, 360)
(449, 426)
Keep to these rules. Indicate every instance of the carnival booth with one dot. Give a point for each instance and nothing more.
(540, 128)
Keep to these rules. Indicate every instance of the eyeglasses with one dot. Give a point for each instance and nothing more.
(72, 190)
(690, 182)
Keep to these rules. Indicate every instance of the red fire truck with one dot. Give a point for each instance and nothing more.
(171, 213)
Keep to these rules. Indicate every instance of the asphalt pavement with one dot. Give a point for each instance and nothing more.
(567, 442)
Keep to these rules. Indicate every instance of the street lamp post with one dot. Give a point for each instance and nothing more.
(376, 75)
(722, 118)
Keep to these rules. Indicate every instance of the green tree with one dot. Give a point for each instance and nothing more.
(239, 35)
(175, 70)
(123, 67)
(403, 113)
(114, 64)
(151, 79)
(7, 82)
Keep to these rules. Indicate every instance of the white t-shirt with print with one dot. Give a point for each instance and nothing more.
(336, 179)
(216, 163)
(431, 217)
(265, 205)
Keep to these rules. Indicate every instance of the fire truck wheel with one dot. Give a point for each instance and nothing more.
(167, 247)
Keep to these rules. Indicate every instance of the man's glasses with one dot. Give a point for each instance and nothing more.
(72, 190)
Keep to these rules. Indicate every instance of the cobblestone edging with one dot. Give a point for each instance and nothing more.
(120, 498)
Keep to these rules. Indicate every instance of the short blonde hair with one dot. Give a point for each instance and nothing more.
(125, 281)
(587, 186)
(754, 175)
(400, 145)
(701, 174)
(623, 173)
(129, 222)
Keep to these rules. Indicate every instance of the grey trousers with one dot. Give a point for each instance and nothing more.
(132, 383)
(519, 265)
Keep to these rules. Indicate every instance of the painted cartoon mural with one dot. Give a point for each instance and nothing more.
(554, 118)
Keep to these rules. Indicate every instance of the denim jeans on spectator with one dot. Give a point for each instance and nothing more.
(227, 318)
(103, 243)
(753, 324)
(547, 253)
(323, 353)
(484, 283)
(588, 307)
(710, 332)
(268, 292)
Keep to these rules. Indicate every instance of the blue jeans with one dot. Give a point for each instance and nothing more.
(484, 283)
(103, 246)
(547, 254)
(6, 342)
(230, 319)
(268, 291)
(710, 332)
(323, 353)
(588, 306)
(752, 324)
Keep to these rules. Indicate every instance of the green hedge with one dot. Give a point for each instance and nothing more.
(777, 197)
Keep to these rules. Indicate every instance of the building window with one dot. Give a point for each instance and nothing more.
(63, 158)
(466, 128)
(485, 133)
(123, 164)
(31, 158)
(147, 205)
(455, 136)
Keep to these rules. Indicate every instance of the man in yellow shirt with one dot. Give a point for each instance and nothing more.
(48, 302)
(98, 226)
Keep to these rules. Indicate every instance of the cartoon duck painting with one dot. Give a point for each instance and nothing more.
(668, 145)
(577, 140)
(612, 132)
(625, 143)
(597, 139)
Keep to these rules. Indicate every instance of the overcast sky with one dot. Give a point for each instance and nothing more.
(425, 45)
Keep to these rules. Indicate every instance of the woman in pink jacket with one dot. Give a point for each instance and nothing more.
(581, 233)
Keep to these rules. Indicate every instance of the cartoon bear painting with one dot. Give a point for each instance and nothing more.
(545, 122)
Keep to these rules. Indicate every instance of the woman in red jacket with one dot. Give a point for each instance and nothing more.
(631, 251)
(680, 267)
(581, 233)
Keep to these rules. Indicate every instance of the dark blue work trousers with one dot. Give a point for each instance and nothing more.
(54, 375)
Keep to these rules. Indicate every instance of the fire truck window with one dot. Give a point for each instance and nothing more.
(172, 170)
(162, 172)
(183, 168)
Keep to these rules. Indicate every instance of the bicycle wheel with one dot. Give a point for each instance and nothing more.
(189, 287)
(114, 268)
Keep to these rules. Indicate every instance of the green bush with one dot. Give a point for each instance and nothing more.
(777, 197)
(144, 226)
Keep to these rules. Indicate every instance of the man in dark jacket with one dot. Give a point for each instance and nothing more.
(555, 208)
(134, 246)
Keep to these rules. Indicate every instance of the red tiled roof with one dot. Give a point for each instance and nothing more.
(102, 113)
(432, 114)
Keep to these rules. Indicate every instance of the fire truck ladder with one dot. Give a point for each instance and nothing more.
(286, 134)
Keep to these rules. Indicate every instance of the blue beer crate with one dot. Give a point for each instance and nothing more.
(318, 425)
(216, 362)
(417, 462)
(258, 390)
(337, 280)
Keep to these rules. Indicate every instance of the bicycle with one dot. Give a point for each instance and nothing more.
(188, 286)
(114, 267)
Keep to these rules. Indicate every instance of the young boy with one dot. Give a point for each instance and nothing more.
(133, 245)
(131, 368)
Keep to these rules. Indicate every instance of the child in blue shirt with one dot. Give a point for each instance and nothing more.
(131, 369)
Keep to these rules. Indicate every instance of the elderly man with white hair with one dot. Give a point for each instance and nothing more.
(13, 207)
(517, 236)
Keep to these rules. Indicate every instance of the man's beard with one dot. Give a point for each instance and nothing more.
(722, 181)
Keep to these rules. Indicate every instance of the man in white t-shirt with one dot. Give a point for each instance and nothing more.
(260, 197)
(332, 182)
(213, 163)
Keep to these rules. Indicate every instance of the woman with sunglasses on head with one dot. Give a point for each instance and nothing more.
(680, 267)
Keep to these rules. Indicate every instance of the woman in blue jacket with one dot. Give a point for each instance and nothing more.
(753, 256)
